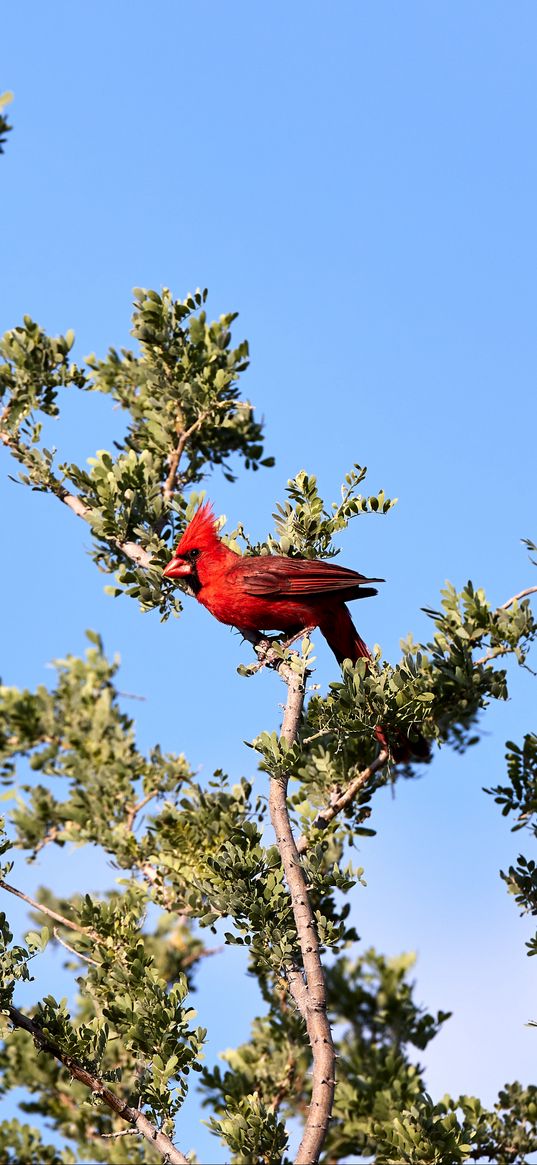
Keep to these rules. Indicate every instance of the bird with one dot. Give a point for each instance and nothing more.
(275, 592)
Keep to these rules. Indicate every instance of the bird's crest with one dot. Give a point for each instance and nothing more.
(200, 532)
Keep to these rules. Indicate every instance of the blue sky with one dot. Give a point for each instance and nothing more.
(359, 182)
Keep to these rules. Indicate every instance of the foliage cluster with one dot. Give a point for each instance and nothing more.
(196, 859)
(5, 128)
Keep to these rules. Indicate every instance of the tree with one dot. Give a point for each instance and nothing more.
(122, 1061)
(5, 128)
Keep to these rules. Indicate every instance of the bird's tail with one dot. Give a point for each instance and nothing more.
(342, 636)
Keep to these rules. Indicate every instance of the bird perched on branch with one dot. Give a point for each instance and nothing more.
(277, 593)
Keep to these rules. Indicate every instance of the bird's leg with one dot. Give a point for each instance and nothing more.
(284, 644)
(301, 633)
(263, 643)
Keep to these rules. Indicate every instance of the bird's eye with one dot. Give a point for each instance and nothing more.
(194, 554)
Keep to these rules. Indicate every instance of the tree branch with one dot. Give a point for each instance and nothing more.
(268, 655)
(306, 984)
(115, 1136)
(46, 910)
(492, 654)
(515, 598)
(502, 649)
(340, 801)
(171, 481)
(131, 550)
(204, 953)
(134, 1116)
(135, 809)
(68, 947)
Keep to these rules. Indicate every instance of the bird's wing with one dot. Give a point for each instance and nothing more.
(279, 576)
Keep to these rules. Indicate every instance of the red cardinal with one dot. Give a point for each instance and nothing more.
(275, 593)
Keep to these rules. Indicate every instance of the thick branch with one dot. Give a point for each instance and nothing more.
(308, 987)
(131, 550)
(340, 801)
(312, 1002)
(308, 990)
(158, 1140)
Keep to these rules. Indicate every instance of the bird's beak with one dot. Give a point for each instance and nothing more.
(177, 568)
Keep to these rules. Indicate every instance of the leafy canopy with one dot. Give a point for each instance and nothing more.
(195, 859)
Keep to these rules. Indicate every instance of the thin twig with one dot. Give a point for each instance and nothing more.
(134, 1116)
(166, 897)
(131, 550)
(316, 735)
(122, 1133)
(135, 809)
(46, 910)
(73, 951)
(515, 598)
(492, 654)
(171, 480)
(194, 957)
(284, 1086)
(50, 835)
(502, 649)
(342, 800)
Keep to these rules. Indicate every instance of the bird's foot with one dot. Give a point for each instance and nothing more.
(270, 649)
(262, 645)
(302, 633)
